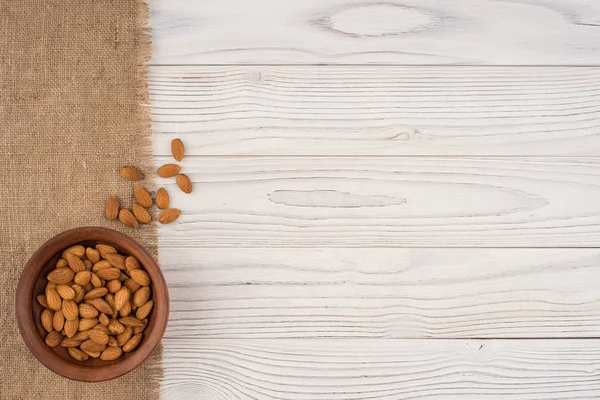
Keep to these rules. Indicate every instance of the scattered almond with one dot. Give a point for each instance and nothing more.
(141, 214)
(127, 218)
(142, 196)
(168, 170)
(177, 149)
(162, 199)
(112, 208)
(169, 215)
(184, 183)
(131, 173)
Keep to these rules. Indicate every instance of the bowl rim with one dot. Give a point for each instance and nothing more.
(24, 305)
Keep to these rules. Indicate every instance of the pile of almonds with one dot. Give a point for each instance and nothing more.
(96, 303)
(139, 211)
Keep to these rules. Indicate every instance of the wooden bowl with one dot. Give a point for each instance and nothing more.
(33, 282)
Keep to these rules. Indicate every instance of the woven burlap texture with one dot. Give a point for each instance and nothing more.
(72, 94)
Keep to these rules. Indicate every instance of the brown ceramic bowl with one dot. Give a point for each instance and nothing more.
(33, 282)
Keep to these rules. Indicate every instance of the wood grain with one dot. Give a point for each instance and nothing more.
(523, 32)
(366, 110)
(382, 293)
(386, 202)
(381, 369)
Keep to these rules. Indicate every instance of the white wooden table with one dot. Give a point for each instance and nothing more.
(393, 200)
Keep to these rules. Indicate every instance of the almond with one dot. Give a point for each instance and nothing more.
(82, 336)
(115, 327)
(100, 265)
(144, 310)
(162, 199)
(139, 329)
(132, 285)
(112, 341)
(90, 345)
(93, 354)
(87, 323)
(168, 170)
(102, 306)
(61, 276)
(82, 278)
(113, 286)
(65, 292)
(124, 336)
(169, 215)
(46, 318)
(105, 249)
(95, 281)
(75, 263)
(103, 319)
(88, 265)
(79, 293)
(116, 260)
(42, 300)
(53, 339)
(87, 311)
(109, 274)
(125, 310)
(70, 309)
(184, 183)
(177, 149)
(122, 298)
(70, 342)
(71, 327)
(140, 276)
(92, 254)
(111, 353)
(62, 263)
(98, 336)
(131, 321)
(123, 277)
(141, 214)
(58, 321)
(131, 173)
(77, 250)
(77, 354)
(141, 296)
(142, 196)
(89, 286)
(127, 218)
(132, 343)
(112, 208)
(53, 299)
(131, 263)
(95, 293)
(50, 285)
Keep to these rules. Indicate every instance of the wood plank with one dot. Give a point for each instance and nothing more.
(517, 32)
(386, 202)
(341, 110)
(381, 369)
(382, 293)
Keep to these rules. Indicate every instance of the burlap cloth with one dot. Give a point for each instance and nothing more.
(72, 89)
